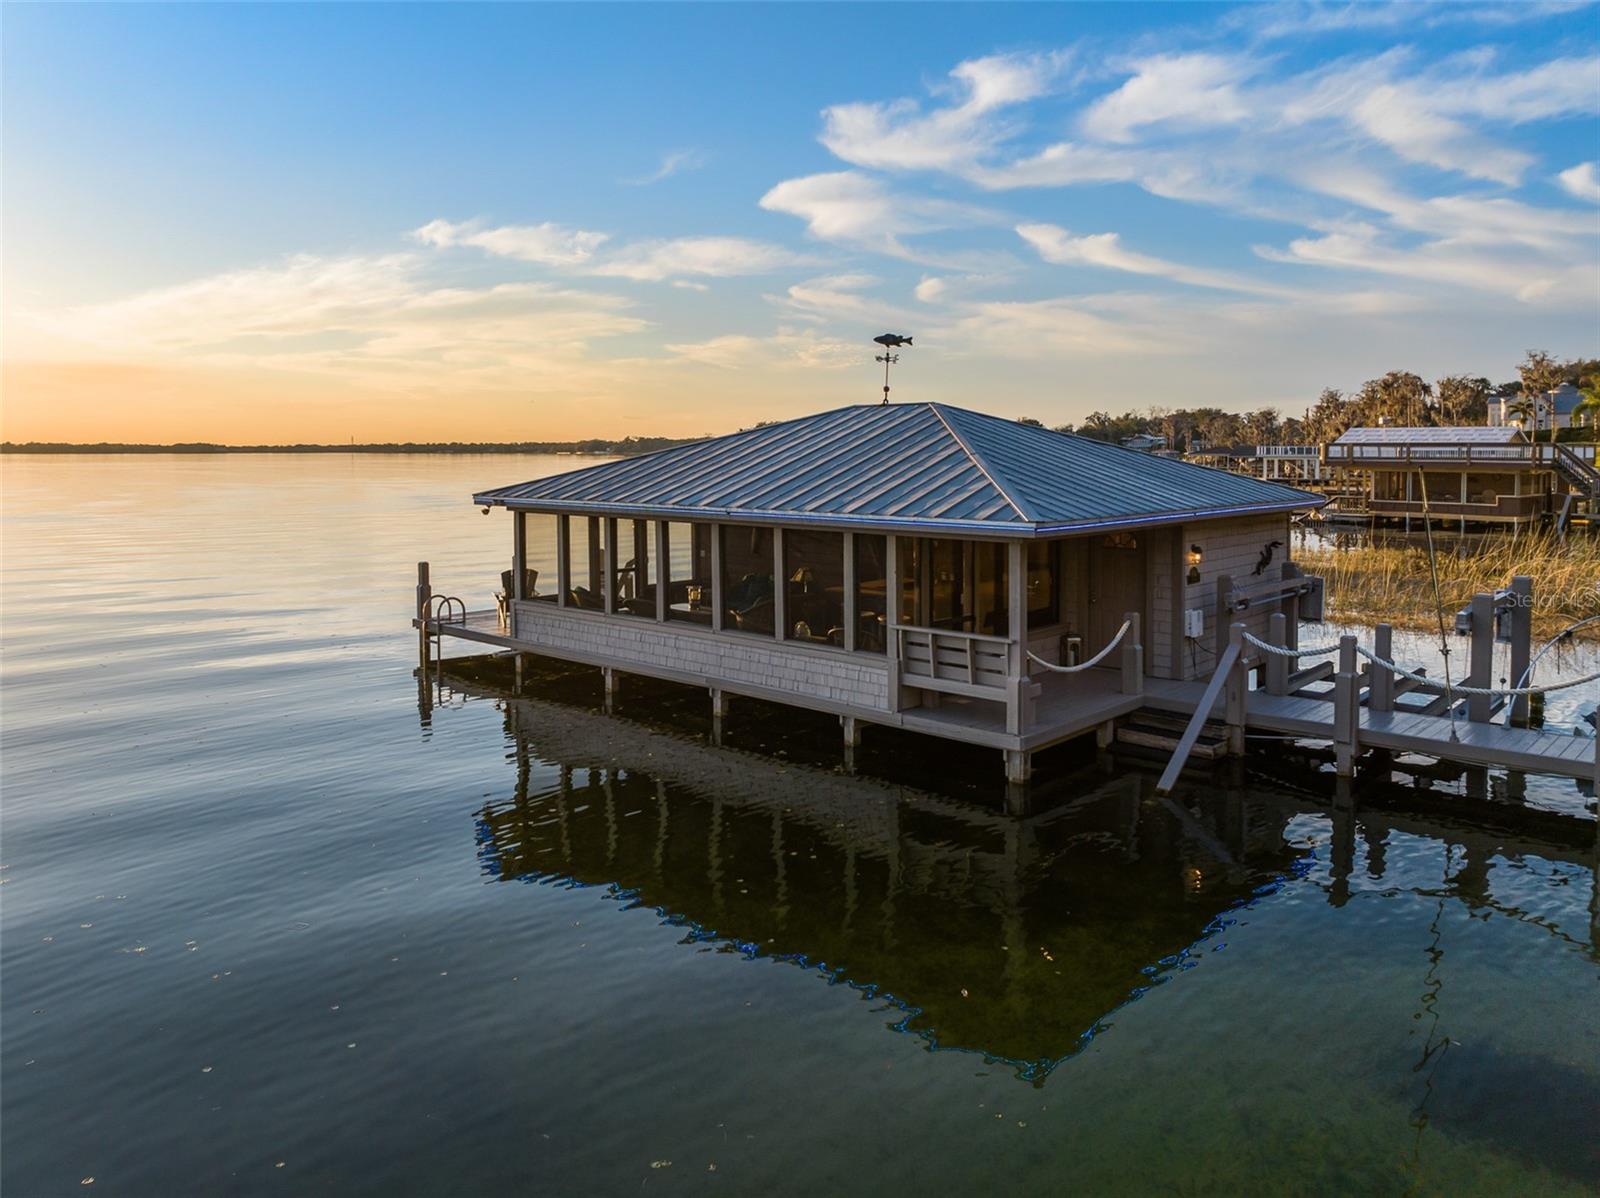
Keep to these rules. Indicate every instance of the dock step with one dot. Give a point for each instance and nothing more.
(1151, 730)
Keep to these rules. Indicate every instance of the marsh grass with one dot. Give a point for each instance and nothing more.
(1367, 584)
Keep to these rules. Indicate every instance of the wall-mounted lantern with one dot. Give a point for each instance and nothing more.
(1196, 556)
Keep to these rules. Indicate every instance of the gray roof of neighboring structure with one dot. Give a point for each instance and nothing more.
(1449, 435)
(914, 467)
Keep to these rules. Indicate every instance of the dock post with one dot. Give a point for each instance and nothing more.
(516, 685)
(719, 713)
(1019, 766)
(1521, 643)
(1133, 657)
(1346, 709)
(1105, 735)
(852, 731)
(1237, 692)
(1481, 662)
(1278, 667)
(613, 684)
(424, 601)
(1381, 694)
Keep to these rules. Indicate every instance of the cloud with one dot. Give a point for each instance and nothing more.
(1105, 250)
(901, 135)
(1181, 90)
(1581, 182)
(364, 319)
(548, 243)
(716, 257)
(803, 350)
(855, 209)
(677, 162)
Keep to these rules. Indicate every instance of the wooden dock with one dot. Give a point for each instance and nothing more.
(1358, 712)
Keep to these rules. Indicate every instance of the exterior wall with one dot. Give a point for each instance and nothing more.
(1230, 547)
(1159, 632)
(805, 675)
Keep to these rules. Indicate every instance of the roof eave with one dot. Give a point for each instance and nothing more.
(891, 524)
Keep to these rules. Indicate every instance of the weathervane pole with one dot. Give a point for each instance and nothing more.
(889, 341)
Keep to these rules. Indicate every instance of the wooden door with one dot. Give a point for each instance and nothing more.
(1116, 585)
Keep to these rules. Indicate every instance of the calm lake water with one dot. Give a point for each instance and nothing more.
(278, 920)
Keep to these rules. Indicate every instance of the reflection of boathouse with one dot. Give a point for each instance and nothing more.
(1013, 936)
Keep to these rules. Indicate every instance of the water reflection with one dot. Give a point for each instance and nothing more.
(1016, 937)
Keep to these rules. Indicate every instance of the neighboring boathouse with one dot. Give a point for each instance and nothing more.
(914, 564)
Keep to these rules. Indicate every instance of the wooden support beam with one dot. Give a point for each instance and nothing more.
(1019, 765)
(1017, 697)
(852, 731)
(850, 618)
(1346, 709)
(1238, 690)
(608, 566)
(1277, 667)
(1380, 693)
(663, 571)
(780, 605)
(1133, 656)
(519, 559)
(719, 603)
(1521, 643)
(891, 618)
(1222, 617)
(1481, 663)
(563, 559)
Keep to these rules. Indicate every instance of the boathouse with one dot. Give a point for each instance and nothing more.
(1470, 474)
(916, 564)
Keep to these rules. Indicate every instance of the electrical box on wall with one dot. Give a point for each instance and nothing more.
(1194, 623)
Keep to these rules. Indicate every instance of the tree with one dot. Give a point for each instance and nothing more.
(1521, 410)
(1328, 417)
(1462, 400)
(1540, 375)
(1587, 410)
(1097, 425)
(1030, 422)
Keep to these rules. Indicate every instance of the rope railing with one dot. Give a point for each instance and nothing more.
(1449, 688)
(1084, 665)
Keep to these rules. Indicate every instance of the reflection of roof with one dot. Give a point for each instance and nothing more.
(1448, 435)
(906, 466)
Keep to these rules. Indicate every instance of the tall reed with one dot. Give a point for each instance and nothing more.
(1367, 582)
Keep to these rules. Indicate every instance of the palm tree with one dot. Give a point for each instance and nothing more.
(1521, 410)
(1587, 410)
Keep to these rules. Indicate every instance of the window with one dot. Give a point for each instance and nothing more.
(813, 587)
(747, 586)
(872, 583)
(1044, 583)
(539, 573)
(689, 573)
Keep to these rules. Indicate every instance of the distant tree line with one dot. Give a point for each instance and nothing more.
(625, 447)
(1399, 397)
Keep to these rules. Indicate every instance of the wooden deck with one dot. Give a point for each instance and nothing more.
(1072, 705)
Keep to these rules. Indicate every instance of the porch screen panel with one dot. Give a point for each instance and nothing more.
(1044, 583)
(872, 575)
(689, 572)
(638, 571)
(583, 560)
(747, 582)
(539, 573)
(813, 597)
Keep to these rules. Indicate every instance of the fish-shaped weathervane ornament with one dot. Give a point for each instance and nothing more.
(889, 341)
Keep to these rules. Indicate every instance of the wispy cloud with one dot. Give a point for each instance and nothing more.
(677, 162)
(855, 209)
(1105, 250)
(547, 243)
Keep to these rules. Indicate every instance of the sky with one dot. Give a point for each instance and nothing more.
(483, 223)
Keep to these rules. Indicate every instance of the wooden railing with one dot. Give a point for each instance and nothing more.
(1513, 506)
(1464, 453)
(960, 663)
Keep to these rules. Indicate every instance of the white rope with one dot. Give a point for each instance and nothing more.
(1083, 665)
(1446, 687)
(1451, 688)
(1283, 651)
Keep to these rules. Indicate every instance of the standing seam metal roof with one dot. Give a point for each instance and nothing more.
(906, 464)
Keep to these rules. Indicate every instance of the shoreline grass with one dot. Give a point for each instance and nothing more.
(1373, 583)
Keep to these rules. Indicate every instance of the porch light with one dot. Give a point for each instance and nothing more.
(1196, 556)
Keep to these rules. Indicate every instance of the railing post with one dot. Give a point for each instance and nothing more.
(424, 601)
(1291, 606)
(1133, 657)
(1480, 665)
(1017, 634)
(1346, 709)
(1277, 666)
(1521, 643)
(1381, 694)
(851, 619)
(1237, 696)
